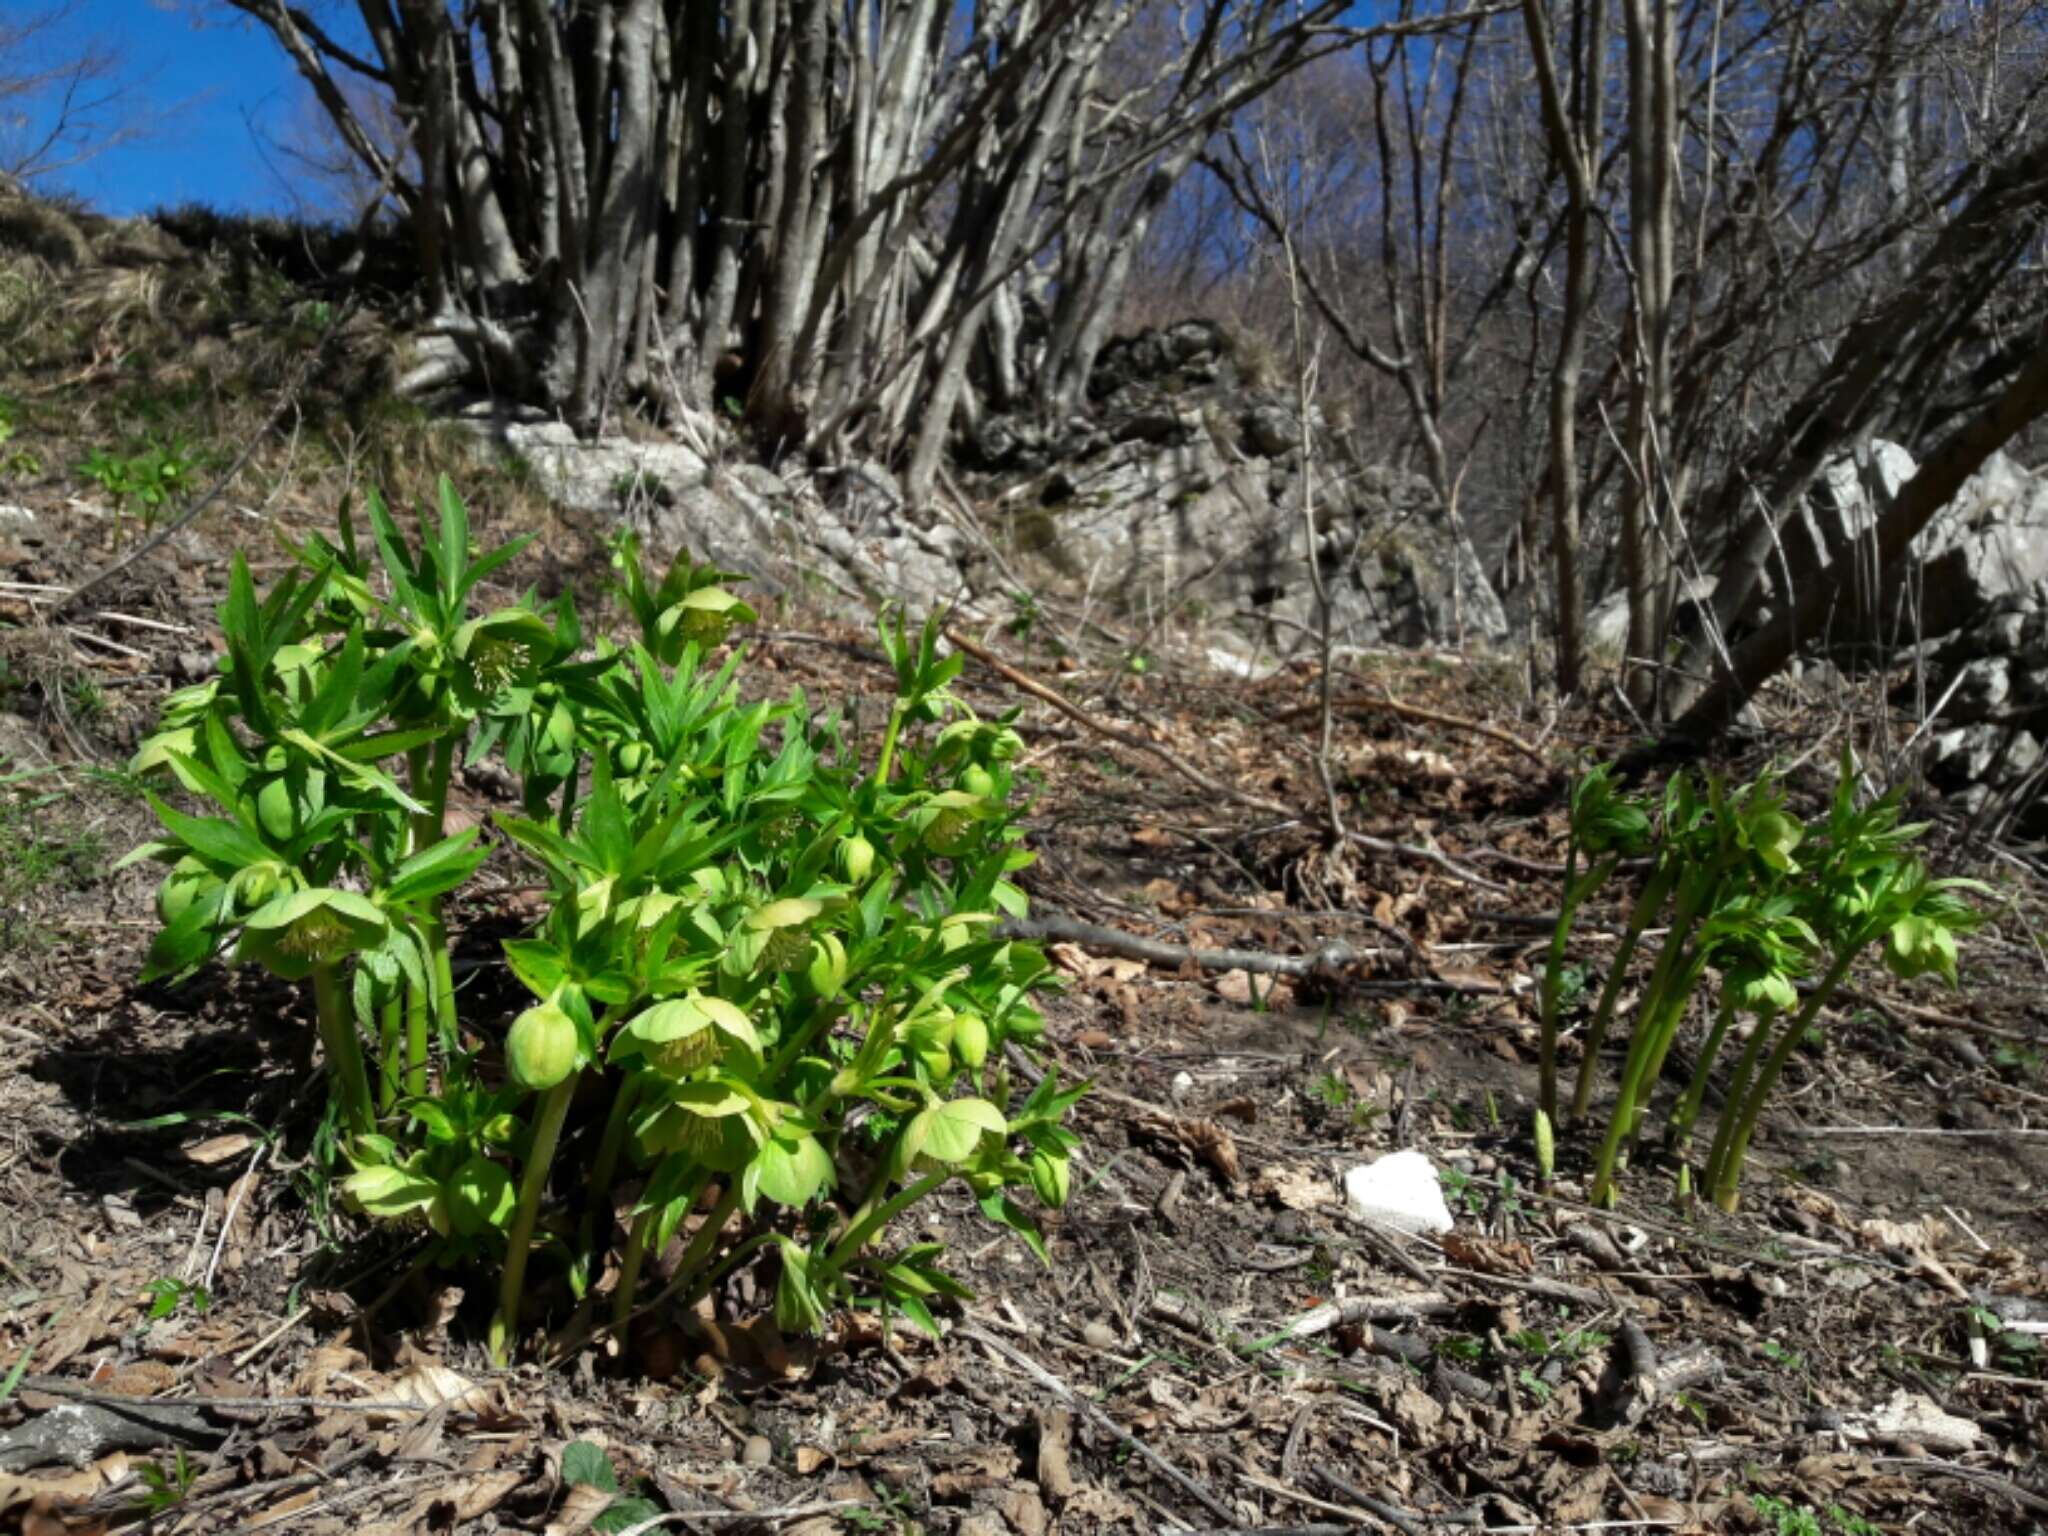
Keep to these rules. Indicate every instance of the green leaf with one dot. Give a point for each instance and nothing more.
(586, 1466)
(434, 870)
(624, 1514)
(791, 1173)
(390, 1191)
(951, 1130)
(221, 843)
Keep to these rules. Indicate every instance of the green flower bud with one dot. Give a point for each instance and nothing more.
(1546, 1146)
(970, 1040)
(856, 858)
(1025, 1025)
(541, 1048)
(826, 973)
(187, 882)
(631, 756)
(978, 781)
(255, 886)
(277, 811)
(1052, 1177)
(500, 1130)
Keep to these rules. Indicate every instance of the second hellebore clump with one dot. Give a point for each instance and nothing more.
(1767, 906)
(768, 990)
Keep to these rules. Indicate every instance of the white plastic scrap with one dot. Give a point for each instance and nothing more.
(1400, 1191)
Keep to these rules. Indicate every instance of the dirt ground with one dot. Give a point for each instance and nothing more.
(194, 1337)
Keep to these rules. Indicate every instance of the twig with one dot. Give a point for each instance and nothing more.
(1919, 1130)
(53, 1386)
(1362, 1309)
(227, 1221)
(1073, 1399)
(1939, 1468)
(726, 1516)
(1417, 712)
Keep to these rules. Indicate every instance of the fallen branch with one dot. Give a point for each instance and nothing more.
(1366, 1309)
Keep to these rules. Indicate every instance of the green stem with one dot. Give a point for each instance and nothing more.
(613, 1141)
(547, 1131)
(1738, 1091)
(416, 1004)
(1648, 905)
(629, 1268)
(1664, 1035)
(1622, 1119)
(1679, 1130)
(888, 757)
(344, 1052)
(1553, 982)
(390, 1041)
(1725, 1194)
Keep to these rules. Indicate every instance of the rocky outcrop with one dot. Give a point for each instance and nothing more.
(847, 531)
(1973, 601)
(1182, 488)
(1179, 488)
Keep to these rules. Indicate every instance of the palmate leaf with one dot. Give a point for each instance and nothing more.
(791, 1172)
(950, 1131)
(389, 1190)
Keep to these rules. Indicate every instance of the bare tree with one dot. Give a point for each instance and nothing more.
(862, 220)
(1573, 113)
(65, 95)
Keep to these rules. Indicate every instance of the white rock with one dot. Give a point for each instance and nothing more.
(1182, 1085)
(1399, 1191)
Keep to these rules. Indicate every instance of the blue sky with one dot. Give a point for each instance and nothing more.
(207, 76)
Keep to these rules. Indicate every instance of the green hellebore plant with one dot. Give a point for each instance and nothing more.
(760, 945)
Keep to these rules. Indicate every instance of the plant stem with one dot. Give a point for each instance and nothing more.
(614, 1139)
(888, 757)
(1738, 1091)
(1622, 1119)
(636, 1251)
(873, 1216)
(344, 1052)
(1648, 905)
(416, 1004)
(1725, 1192)
(629, 1268)
(1679, 1129)
(547, 1131)
(1662, 1037)
(1553, 981)
(390, 1041)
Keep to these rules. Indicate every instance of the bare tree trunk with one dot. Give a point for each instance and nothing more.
(1574, 127)
(1648, 533)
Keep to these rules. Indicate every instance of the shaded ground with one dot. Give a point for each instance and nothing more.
(1214, 1346)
